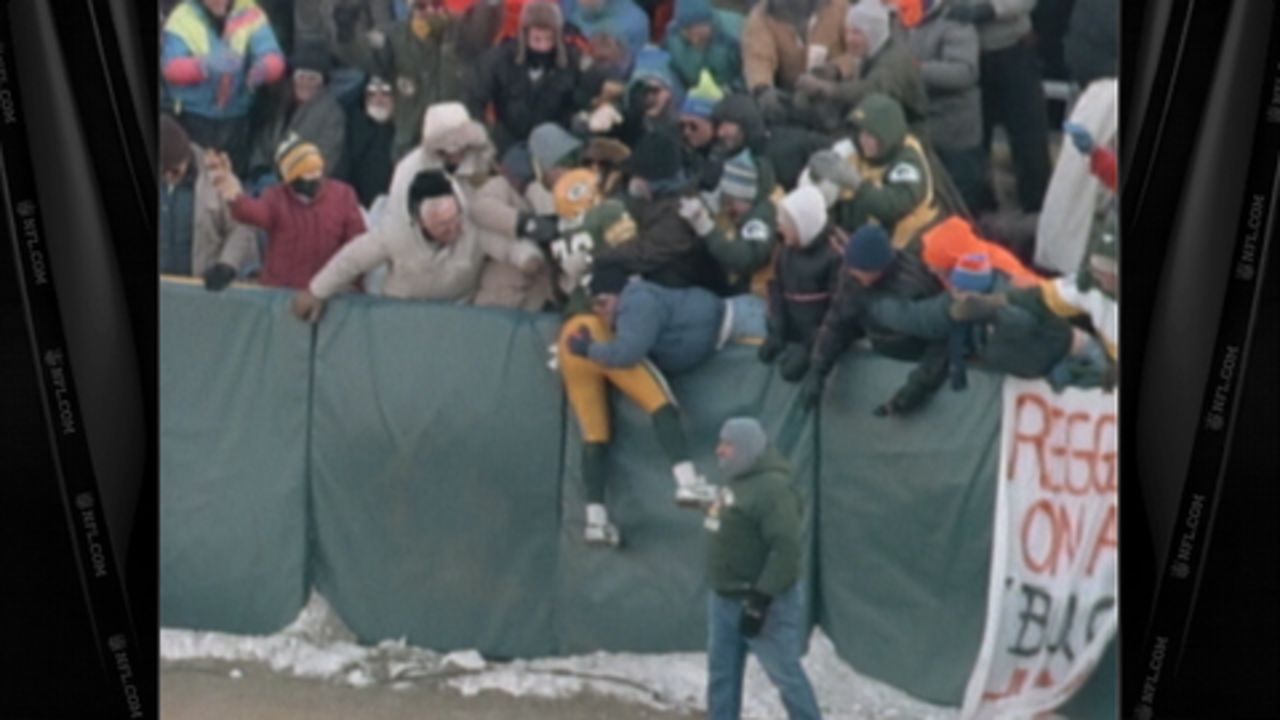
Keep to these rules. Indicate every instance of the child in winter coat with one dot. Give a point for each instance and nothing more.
(805, 273)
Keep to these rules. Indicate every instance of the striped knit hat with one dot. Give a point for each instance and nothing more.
(972, 273)
(297, 158)
(740, 179)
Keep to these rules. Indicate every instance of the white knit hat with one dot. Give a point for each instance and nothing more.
(807, 210)
(872, 18)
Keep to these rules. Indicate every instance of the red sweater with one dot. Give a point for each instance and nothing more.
(301, 237)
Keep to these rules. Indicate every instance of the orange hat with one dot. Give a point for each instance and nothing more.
(576, 192)
(296, 158)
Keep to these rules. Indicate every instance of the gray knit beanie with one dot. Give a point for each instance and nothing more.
(749, 441)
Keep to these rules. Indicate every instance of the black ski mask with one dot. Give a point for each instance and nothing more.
(307, 189)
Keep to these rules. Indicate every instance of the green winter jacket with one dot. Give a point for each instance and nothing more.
(743, 250)
(721, 57)
(898, 187)
(756, 528)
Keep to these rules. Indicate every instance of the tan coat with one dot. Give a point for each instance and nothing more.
(773, 54)
(215, 236)
(419, 269)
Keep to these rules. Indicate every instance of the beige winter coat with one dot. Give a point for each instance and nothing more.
(215, 236)
(418, 268)
(773, 54)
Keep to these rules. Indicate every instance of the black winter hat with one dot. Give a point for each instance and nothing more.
(311, 56)
(608, 278)
(656, 157)
(426, 185)
(742, 110)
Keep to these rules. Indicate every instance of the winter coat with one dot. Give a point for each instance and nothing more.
(301, 238)
(495, 208)
(758, 520)
(420, 268)
(622, 19)
(367, 163)
(521, 103)
(422, 73)
(744, 249)
(189, 37)
(774, 54)
(948, 56)
(743, 111)
(721, 57)
(800, 291)
(1092, 41)
(214, 235)
(1011, 24)
(476, 168)
(890, 314)
(676, 328)
(891, 71)
(321, 121)
(1023, 339)
(898, 189)
(666, 250)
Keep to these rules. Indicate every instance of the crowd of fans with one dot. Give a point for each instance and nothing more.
(674, 176)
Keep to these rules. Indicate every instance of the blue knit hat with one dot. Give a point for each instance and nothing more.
(702, 98)
(869, 249)
(698, 107)
(692, 12)
(972, 273)
(740, 179)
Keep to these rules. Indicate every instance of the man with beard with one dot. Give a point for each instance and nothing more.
(420, 57)
(367, 165)
(739, 126)
(529, 80)
(308, 217)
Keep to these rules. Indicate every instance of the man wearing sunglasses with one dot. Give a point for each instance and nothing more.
(367, 163)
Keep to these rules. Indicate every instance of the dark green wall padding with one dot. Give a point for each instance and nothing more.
(418, 464)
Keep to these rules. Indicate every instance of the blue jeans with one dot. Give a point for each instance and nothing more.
(778, 647)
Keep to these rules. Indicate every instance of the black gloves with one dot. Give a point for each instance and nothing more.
(580, 343)
(811, 390)
(542, 229)
(771, 349)
(218, 276)
(794, 362)
(754, 609)
(975, 13)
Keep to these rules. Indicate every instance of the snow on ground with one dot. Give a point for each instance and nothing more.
(319, 646)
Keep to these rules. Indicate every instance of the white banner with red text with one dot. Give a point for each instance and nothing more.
(1051, 599)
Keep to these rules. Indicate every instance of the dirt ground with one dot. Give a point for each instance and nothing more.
(206, 690)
